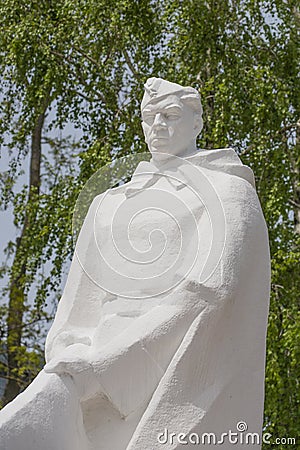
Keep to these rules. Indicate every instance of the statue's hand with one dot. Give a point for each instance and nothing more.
(73, 360)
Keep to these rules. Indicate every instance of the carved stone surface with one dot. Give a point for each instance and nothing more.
(161, 327)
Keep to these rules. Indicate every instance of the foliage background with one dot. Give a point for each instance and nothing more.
(80, 65)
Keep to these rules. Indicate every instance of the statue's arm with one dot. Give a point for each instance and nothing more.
(129, 368)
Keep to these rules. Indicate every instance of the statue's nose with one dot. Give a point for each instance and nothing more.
(159, 120)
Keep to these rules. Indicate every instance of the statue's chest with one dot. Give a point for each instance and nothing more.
(167, 204)
(148, 234)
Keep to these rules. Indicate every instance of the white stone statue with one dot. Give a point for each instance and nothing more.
(160, 334)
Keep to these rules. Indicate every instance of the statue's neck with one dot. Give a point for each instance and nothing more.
(189, 151)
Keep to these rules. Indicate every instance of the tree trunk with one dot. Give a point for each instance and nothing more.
(296, 200)
(17, 294)
(296, 204)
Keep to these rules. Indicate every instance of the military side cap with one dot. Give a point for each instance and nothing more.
(157, 88)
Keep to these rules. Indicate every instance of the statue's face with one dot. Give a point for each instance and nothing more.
(170, 126)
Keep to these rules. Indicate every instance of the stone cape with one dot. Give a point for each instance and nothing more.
(189, 361)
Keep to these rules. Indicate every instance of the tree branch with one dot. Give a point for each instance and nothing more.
(130, 65)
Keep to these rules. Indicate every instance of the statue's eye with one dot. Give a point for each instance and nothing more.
(172, 116)
(149, 119)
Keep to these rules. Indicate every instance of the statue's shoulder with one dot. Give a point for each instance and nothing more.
(218, 156)
(224, 161)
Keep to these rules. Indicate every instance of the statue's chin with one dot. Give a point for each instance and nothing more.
(164, 153)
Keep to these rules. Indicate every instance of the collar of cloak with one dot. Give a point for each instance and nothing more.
(177, 170)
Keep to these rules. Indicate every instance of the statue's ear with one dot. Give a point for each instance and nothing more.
(145, 130)
(194, 101)
(198, 123)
